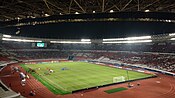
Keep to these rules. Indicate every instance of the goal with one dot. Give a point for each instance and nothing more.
(118, 79)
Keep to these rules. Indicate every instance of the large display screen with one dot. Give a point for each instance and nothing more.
(40, 44)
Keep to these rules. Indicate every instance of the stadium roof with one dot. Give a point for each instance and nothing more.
(14, 9)
(96, 19)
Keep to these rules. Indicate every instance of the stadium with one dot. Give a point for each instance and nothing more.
(87, 49)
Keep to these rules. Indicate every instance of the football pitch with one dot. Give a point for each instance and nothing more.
(65, 77)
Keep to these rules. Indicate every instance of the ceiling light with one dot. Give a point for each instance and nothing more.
(111, 11)
(46, 15)
(76, 13)
(147, 10)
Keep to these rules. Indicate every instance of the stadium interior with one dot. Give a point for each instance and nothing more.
(131, 35)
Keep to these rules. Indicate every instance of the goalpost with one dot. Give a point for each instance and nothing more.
(118, 79)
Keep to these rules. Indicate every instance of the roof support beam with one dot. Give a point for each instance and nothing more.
(57, 7)
(103, 5)
(50, 10)
(151, 4)
(79, 6)
(138, 5)
(70, 6)
(114, 6)
(5, 16)
(126, 5)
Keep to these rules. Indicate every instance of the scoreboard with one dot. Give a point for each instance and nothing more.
(39, 45)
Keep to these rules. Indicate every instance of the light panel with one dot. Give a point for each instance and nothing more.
(85, 40)
(172, 34)
(20, 40)
(7, 36)
(139, 41)
(70, 42)
(172, 39)
(113, 39)
(128, 38)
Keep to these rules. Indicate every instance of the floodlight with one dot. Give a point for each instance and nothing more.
(111, 11)
(76, 13)
(20, 40)
(136, 38)
(85, 40)
(172, 34)
(70, 42)
(128, 38)
(113, 39)
(7, 36)
(138, 41)
(172, 39)
(147, 10)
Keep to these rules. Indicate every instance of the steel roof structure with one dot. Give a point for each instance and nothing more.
(14, 9)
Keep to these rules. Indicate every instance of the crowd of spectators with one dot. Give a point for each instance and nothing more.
(164, 62)
(123, 53)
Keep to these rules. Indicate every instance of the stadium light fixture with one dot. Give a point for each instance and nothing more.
(138, 38)
(111, 11)
(76, 13)
(138, 41)
(113, 39)
(20, 40)
(172, 34)
(147, 10)
(8, 36)
(46, 15)
(70, 42)
(85, 40)
(172, 39)
(128, 38)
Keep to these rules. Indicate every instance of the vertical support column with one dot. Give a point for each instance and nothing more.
(103, 5)
(138, 6)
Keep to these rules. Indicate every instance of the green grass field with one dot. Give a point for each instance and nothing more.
(79, 75)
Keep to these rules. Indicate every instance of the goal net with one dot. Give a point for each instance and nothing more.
(118, 79)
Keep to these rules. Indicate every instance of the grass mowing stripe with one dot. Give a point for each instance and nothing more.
(53, 83)
(115, 90)
(49, 86)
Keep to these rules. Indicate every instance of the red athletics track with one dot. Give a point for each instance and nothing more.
(149, 88)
